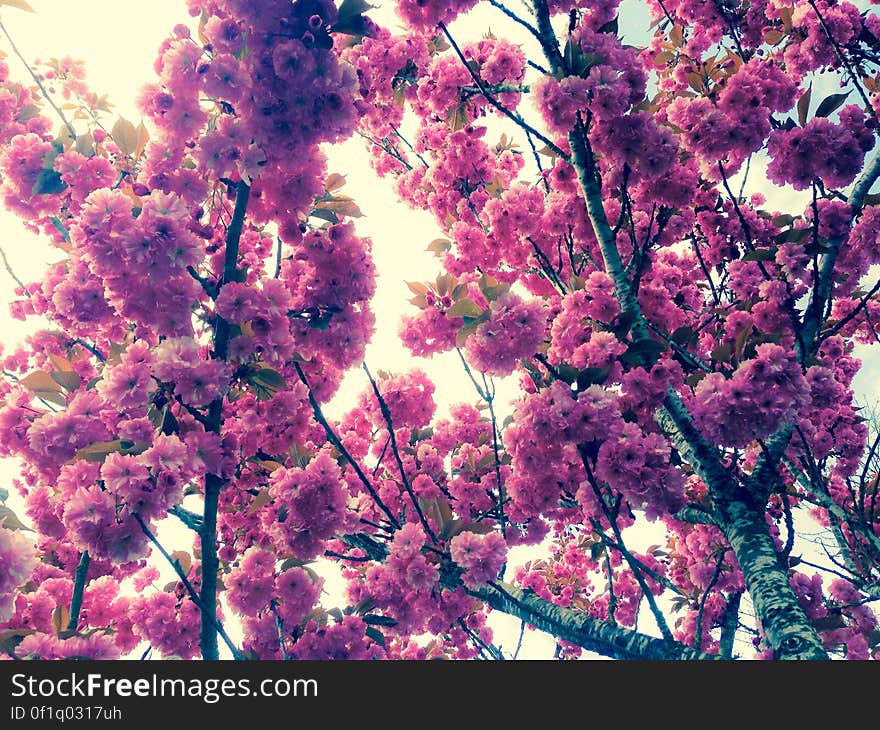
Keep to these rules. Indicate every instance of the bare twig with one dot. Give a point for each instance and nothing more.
(39, 83)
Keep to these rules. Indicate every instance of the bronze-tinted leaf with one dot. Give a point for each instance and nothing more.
(126, 136)
(10, 521)
(184, 559)
(803, 105)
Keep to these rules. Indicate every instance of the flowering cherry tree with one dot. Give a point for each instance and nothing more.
(684, 350)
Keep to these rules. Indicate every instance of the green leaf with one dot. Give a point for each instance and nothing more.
(27, 112)
(722, 353)
(831, 104)
(267, 382)
(579, 62)
(760, 254)
(466, 331)
(322, 321)
(464, 308)
(48, 182)
(492, 288)
(60, 617)
(783, 220)
(375, 619)
(611, 26)
(40, 382)
(792, 235)
(43, 386)
(439, 246)
(289, 563)
(376, 635)
(567, 373)
(325, 214)
(591, 376)
(11, 638)
(457, 118)
(643, 351)
(682, 335)
(350, 20)
(60, 228)
(479, 528)
(340, 205)
(623, 324)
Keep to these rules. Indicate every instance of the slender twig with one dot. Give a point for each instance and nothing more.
(386, 414)
(351, 558)
(863, 303)
(409, 145)
(91, 348)
(516, 118)
(470, 374)
(207, 285)
(698, 632)
(279, 627)
(854, 77)
(538, 163)
(742, 186)
(490, 401)
(519, 641)
(821, 298)
(547, 267)
(493, 651)
(39, 83)
(194, 596)
(337, 442)
(381, 456)
(824, 499)
(612, 598)
(688, 357)
(192, 520)
(826, 569)
(634, 564)
(12, 273)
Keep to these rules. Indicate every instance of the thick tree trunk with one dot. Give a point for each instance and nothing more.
(784, 622)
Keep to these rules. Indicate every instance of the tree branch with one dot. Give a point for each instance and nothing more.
(337, 442)
(386, 414)
(213, 482)
(194, 596)
(516, 118)
(79, 585)
(582, 629)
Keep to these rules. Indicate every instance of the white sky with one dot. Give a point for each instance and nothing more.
(119, 47)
